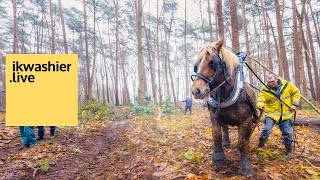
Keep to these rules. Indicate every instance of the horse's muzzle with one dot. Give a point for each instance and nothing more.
(198, 94)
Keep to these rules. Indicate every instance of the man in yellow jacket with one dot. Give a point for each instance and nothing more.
(277, 111)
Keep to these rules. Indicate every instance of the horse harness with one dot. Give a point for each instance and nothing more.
(220, 67)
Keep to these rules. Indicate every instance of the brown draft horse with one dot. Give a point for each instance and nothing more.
(216, 75)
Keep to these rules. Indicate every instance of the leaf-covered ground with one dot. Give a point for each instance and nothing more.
(141, 147)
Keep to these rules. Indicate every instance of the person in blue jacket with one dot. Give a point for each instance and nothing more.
(41, 132)
(188, 105)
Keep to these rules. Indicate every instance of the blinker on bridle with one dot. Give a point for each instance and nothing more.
(218, 65)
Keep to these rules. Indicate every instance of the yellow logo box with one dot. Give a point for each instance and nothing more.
(41, 90)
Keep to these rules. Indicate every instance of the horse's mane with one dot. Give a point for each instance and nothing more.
(226, 55)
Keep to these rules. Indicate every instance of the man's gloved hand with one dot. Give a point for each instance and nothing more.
(261, 108)
(293, 108)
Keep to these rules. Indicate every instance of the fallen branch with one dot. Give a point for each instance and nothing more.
(180, 176)
(307, 121)
(35, 172)
(312, 164)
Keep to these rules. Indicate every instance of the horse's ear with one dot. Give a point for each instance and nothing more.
(220, 42)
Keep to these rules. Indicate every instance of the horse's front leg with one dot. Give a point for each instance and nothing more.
(218, 156)
(244, 147)
(225, 137)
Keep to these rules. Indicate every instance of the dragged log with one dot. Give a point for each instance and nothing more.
(307, 121)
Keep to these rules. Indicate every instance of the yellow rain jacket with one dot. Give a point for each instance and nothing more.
(274, 109)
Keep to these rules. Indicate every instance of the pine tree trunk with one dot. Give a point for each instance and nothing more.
(266, 25)
(283, 56)
(234, 26)
(88, 94)
(273, 35)
(65, 43)
(185, 51)
(296, 46)
(151, 62)
(126, 99)
(220, 18)
(117, 103)
(302, 72)
(210, 23)
(315, 25)
(141, 71)
(246, 39)
(306, 51)
(313, 60)
(158, 55)
(15, 27)
(52, 30)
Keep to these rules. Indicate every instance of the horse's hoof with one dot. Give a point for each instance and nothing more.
(246, 172)
(226, 145)
(218, 165)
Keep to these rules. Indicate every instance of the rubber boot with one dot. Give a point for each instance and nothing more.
(261, 143)
(40, 135)
(289, 150)
(52, 134)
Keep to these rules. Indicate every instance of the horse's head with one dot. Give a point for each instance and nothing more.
(214, 64)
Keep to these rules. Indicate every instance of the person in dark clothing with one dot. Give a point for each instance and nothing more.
(41, 132)
(27, 136)
(188, 105)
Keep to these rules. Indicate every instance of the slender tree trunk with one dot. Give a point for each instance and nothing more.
(151, 62)
(15, 27)
(116, 4)
(98, 91)
(104, 67)
(301, 64)
(246, 38)
(295, 44)
(203, 36)
(266, 25)
(52, 29)
(126, 99)
(102, 86)
(220, 18)
(283, 65)
(158, 54)
(315, 26)
(274, 36)
(65, 43)
(234, 26)
(313, 60)
(185, 51)
(94, 45)
(210, 23)
(306, 51)
(88, 94)
(141, 71)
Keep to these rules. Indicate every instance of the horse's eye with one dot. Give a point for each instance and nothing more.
(195, 68)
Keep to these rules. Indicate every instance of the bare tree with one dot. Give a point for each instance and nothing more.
(295, 44)
(234, 26)
(141, 71)
(88, 92)
(246, 37)
(65, 44)
(210, 23)
(283, 65)
(15, 27)
(52, 30)
(220, 18)
(313, 60)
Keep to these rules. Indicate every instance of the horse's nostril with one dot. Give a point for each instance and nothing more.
(196, 92)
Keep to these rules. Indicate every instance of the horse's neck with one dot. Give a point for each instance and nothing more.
(226, 89)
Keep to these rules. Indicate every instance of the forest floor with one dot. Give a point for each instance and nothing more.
(141, 147)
